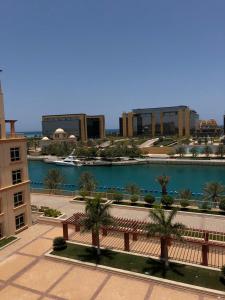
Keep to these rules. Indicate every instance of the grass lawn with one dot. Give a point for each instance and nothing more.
(6, 241)
(144, 265)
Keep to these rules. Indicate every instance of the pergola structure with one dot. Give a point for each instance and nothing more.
(134, 228)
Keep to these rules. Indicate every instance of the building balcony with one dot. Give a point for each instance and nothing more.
(12, 134)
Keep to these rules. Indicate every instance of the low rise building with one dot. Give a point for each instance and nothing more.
(15, 209)
(162, 121)
(209, 128)
(58, 137)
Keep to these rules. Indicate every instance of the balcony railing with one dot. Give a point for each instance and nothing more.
(15, 136)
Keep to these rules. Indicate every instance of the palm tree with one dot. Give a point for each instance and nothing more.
(87, 182)
(163, 181)
(207, 151)
(164, 227)
(194, 152)
(220, 150)
(185, 194)
(181, 151)
(53, 179)
(213, 191)
(97, 215)
(133, 189)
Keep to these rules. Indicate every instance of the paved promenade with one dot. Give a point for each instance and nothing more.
(201, 221)
(26, 274)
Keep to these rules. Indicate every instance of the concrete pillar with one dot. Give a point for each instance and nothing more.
(124, 124)
(205, 250)
(161, 123)
(206, 236)
(65, 231)
(83, 128)
(130, 130)
(187, 122)
(102, 127)
(12, 128)
(126, 241)
(153, 119)
(180, 123)
(135, 236)
(77, 228)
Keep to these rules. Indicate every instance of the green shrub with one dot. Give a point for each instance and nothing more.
(205, 206)
(50, 212)
(110, 193)
(83, 193)
(222, 204)
(149, 199)
(167, 200)
(223, 270)
(59, 243)
(134, 198)
(118, 196)
(184, 203)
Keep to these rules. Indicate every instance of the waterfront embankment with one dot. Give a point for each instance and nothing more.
(149, 160)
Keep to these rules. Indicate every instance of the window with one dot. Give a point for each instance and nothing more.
(16, 176)
(15, 153)
(18, 199)
(20, 221)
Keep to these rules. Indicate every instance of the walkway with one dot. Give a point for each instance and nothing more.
(64, 204)
(26, 274)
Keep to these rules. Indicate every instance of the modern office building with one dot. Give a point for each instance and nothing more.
(15, 211)
(82, 126)
(162, 121)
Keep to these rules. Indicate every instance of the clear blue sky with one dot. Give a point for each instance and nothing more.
(111, 56)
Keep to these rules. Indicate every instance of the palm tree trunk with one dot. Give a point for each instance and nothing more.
(164, 250)
(164, 191)
(96, 241)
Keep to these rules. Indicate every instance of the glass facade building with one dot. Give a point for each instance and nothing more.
(82, 126)
(168, 121)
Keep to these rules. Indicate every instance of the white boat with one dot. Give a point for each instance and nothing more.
(70, 160)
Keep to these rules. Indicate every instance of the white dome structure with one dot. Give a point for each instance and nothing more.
(45, 138)
(59, 130)
(72, 136)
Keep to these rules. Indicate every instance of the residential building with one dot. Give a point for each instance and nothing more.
(82, 126)
(162, 121)
(15, 211)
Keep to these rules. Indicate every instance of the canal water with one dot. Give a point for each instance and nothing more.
(181, 176)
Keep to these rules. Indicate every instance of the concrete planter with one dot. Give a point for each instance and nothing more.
(47, 220)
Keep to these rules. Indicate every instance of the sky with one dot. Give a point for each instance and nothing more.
(111, 56)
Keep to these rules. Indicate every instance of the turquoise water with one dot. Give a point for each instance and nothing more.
(182, 176)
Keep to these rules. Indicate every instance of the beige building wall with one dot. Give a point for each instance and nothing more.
(2, 117)
(124, 122)
(187, 122)
(130, 124)
(8, 211)
(153, 124)
(161, 123)
(102, 127)
(180, 123)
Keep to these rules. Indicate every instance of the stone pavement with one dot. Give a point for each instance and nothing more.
(26, 274)
(201, 221)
